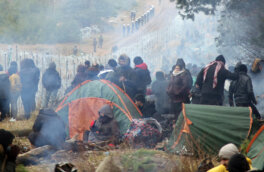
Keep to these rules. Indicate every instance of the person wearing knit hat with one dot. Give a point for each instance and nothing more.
(225, 153)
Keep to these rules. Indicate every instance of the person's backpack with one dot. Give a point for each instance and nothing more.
(143, 133)
(15, 83)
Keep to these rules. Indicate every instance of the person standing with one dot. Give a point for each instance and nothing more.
(101, 40)
(142, 75)
(179, 87)
(4, 93)
(29, 77)
(158, 88)
(242, 91)
(211, 81)
(51, 81)
(15, 88)
(94, 44)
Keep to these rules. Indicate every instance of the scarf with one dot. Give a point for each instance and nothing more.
(177, 73)
(142, 66)
(217, 69)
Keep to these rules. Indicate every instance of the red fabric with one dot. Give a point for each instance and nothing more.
(92, 124)
(142, 66)
(217, 69)
(111, 145)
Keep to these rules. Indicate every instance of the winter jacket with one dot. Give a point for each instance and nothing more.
(48, 129)
(29, 78)
(51, 80)
(159, 88)
(206, 86)
(78, 79)
(4, 86)
(105, 128)
(15, 83)
(142, 77)
(222, 168)
(242, 90)
(179, 87)
(129, 85)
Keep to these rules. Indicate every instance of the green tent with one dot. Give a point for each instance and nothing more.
(255, 150)
(80, 107)
(202, 128)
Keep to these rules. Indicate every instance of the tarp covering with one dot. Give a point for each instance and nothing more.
(255, 149)
(208, 128)
(80, 107)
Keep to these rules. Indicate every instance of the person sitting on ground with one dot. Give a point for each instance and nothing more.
(4, 93)
(142, 75)
(211, 81)
(158, 88)
(48, 129)
(238, 163)
(242, 91)
(225, 153)
(147, 108)
(105, 128)
(8, 152)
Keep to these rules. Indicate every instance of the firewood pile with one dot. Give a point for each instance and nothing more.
(49, 154)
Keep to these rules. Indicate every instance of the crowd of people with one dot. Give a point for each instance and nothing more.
(169, 91)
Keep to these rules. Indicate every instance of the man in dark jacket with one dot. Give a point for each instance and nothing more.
(4, 93)
(242, 91)
(124, 76)
(211, 81)
(159, 88)
(142, 75)
(105, 128)
(146, 108)
(29, 76)
(48, 129)
(51, 81)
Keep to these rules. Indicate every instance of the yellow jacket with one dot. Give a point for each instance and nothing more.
(15, 83)
(222, 168)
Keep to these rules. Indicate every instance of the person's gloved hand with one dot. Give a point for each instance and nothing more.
(12, 153)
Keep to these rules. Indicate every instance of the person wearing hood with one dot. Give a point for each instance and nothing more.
(124, 76)
(4, 93)
(242, 91)
(29, 76)
(51, 81)
(142, 75)
(158, 88)
(105, 128)
(110, 67)
(211, 81)
(179, 88)
(225, 154)
(15, 88)
(48, 129)
(8, 152)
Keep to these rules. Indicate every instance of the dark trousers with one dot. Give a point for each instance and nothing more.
(176, 109)
(253, 107)
(4, 108)
(211, 100)
(28, 100)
